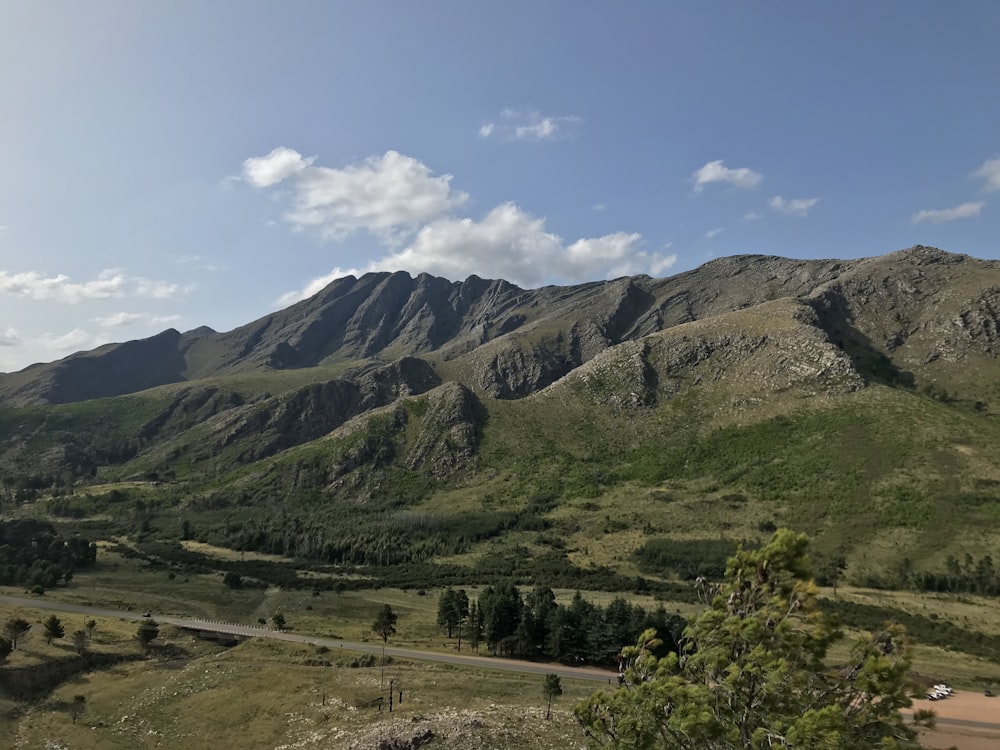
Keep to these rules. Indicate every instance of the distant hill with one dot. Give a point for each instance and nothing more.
(399, 419)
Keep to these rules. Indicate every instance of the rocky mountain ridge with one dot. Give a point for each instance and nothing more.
(392, 419)
(904, 310)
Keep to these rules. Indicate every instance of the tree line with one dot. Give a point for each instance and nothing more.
(535, 626)
(32, 553)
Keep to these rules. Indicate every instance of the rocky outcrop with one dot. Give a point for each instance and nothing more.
(777, 347)
(449, 431)
(269, 425)
(895, 315)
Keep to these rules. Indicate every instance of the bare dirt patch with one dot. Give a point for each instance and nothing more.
(967, 721)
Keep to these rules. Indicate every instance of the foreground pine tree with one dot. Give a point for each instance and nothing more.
(752, 673)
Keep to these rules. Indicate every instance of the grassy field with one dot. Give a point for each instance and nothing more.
(266, 694)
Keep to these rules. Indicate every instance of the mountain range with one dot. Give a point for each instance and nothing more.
(855, 399)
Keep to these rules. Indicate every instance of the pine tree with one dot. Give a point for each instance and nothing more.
(53, 629)
(751, 673)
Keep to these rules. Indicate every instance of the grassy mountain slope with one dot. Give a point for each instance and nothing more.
(567, 427)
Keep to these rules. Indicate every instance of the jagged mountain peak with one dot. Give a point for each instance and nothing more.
(508, 342)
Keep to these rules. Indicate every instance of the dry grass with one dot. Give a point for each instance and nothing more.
(225, 553)
(266, 695)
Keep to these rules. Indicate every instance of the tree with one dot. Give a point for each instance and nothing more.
(278, 620)
(385, 627)
(385, 623)
(80, 641)
(751, 673)
(500, 607)
(53, 629)
(15, 628)
(830, 569)
(148, 631)
(77, 706)
(475, 626)
(453, 607)
(552, 687)
(232, 579)
(5, 648)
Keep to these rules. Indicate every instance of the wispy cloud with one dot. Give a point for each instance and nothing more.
(206, 264)
(752, 216)
(9, 337)
(109, 284)
(990, 171)
(75, 340)
(511, 244)
(716, 171)
(600, 207)
(939, 216)
(792, 206)
(530, 125)
(714, 233)
(128, 318)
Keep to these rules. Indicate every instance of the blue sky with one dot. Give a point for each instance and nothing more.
(177, 164)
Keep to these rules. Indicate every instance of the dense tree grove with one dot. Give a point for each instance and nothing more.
(751, 672)
(536, 626)
(971, 575)
(33, 554)
(453, 609)
(364, 536)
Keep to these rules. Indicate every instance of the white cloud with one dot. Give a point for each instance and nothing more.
(73, 341)
(9, 337)
(600, 207)
(792, 206)
(280, 164)
(752, 216)
(662, 263)
(315, 286)
(938, 216)
(109, 284)
(390, 196)
(990, 171)
(714, 233)
(156, 289)
(716, 171)
(127, 318)
(530, 125)
(206, 264)
(511, 244)
(539, 131)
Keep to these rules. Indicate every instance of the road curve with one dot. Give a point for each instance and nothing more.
(481, 662)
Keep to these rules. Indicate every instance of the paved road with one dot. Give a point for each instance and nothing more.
(487, 662)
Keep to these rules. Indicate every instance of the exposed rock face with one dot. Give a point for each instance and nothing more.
(897, 313)
(269, 425)
(191, 406)
(777, 348)
(901, 312)
(449, 431)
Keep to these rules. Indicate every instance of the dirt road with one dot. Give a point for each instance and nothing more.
(968, 721)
